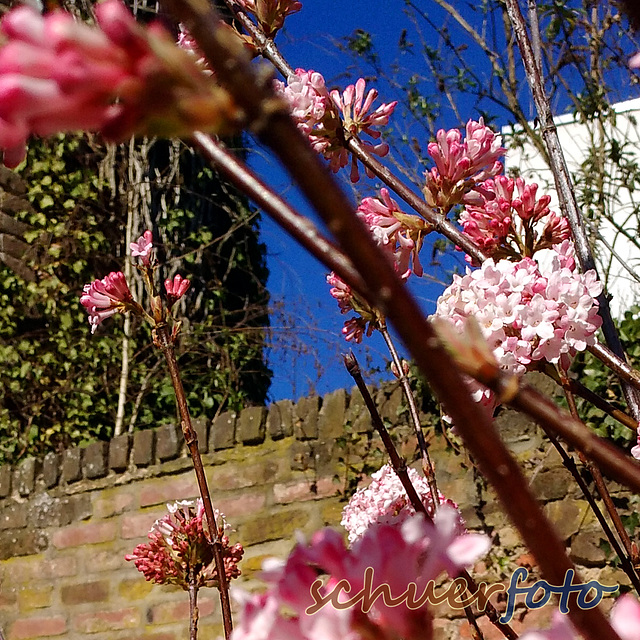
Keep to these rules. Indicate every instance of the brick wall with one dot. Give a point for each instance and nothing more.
(67, 521)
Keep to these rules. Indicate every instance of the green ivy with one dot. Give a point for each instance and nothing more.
(58, 383)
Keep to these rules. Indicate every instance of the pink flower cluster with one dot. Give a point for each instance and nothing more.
(461, 164)
(527, 314)
(142, 248)
(501, 224)
(103, 298)
(179, 552)
(58, 74)
(398, 233)
(625, 620)
(176, 288)
(397, 555)
(354, 328)
(385, 501)
(318, 115)
(270, 14)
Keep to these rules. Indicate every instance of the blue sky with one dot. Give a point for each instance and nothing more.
(297, 281)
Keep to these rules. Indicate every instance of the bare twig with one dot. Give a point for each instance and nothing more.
(165, 344)
(564, 187)
(267, 117)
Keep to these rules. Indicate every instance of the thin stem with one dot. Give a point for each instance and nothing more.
(164, 343)
(268, 118)
(603, 491)
(578, 389)
(400, 467)
(570, 465)
(427, 465)
(193, 610)
(564, 188)
(619, 366)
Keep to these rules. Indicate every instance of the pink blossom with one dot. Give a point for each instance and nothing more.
(635, 451)
(58, 74)
(396, 555)
(385, 501)
(505, 224)
(176, 288)
(634, 61)
(179, 551)
(103, 298)
(527, 313)
(318, 115)
(624, 618)
(354, 329)
(399, 233)
(142, 247)
(461, 165)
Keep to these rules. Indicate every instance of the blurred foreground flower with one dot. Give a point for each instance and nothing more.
(118, 78)
(388, 555)
(179, 552)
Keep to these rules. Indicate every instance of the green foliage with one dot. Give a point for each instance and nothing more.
(593, 374)
(59, 384)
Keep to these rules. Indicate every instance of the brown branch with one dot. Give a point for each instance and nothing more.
(619, 366)
(165, 344)
(268, 119)
(564, 187)
(627, 559)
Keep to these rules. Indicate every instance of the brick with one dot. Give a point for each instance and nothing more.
(143, 447)
(119, 448)
(22, 543)
(25, 476)
(243, 505)
(332, 415)
(51, 469)
(91, 533)
(5, 481)
(227, 477)
(36, 597)
(97, 591)
(201, 427)
(13, 515)
(389, 401)
(134, 588)
(99, 621)
(94, 460)
(37, 628)
(301, 456)
(280, 419)
(306, 418)
(251, 425)
(8, 598)
(274, 526)
(168, 612)
(168, 489)
(222, 432)
(357, 414)
(169, 440)
(112, 502)
(138, 525)
(304, 490)
(63, 566)
(71, 465)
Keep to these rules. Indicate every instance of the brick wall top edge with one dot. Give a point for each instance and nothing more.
(128, 453)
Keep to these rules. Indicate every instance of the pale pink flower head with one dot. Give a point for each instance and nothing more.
(385, 501)
(103, 298)
(461, 164)
(525, 313)
(634, 61)
(119, 78)
(176, 288)
(179, 551)
(142, 247)
(635, 451)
